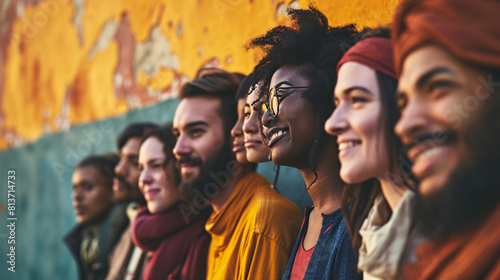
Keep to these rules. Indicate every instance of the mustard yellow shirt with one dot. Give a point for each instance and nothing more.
(253, 234)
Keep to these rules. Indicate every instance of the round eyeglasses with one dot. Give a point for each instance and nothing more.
(276, 95)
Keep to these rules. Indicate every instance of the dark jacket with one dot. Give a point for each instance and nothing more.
(109, 231)
(333, 257)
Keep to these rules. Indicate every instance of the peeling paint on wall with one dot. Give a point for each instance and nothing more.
(106, 36)
(67, 62)
(154, 54)
(77, 19)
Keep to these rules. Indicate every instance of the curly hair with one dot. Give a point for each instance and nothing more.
(312, 43)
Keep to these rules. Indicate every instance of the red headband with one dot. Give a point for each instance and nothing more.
(375, 53)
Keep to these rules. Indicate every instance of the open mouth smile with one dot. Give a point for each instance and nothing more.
(429, 150)
(424, 158)
(346, 145)
(275, 134)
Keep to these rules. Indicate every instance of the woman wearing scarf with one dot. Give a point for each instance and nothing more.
(377, 203)
(178, 244)
(447, 53)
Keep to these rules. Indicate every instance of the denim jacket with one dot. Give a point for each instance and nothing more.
(333, 256)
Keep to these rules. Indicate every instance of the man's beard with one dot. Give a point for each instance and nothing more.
(215, 164)
(472, 190)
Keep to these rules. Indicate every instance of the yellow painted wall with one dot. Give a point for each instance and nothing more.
(68, 62)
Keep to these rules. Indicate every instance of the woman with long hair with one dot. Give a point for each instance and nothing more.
(377, 202)
(177, 245)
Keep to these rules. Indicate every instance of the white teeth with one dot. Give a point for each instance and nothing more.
(428, 153)
(345, 145)
(276, 135)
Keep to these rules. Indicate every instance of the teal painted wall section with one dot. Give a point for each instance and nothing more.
(43, 188)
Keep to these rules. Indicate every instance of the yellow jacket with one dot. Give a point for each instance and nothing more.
(253, 234)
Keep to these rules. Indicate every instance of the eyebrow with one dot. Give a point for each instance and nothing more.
(283, 83)
(425, 78)
(429, 74)
(154, 159)
(129, 155)
(191, 125)
(351, 89)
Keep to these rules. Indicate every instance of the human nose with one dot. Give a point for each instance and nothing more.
(267, 119)
(337, 123)
(182, 147)
(145, 177)
(251, 125)
(237, 128)
(76, 195)
(413, 121)
(120, 168)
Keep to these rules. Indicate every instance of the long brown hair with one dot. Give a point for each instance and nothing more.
(358, 199)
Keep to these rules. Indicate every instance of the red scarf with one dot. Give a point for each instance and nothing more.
(473, 254)
(178, 247)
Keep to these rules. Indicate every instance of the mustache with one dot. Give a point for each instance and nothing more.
(189, 160)
(124, 181)
(433, 138)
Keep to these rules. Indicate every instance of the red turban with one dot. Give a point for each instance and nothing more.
(470, 30)
(375, 53)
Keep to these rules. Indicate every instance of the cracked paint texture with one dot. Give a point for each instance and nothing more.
(68, 62)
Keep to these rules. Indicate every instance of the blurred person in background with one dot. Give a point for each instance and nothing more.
(177, 248)
(99, 224)
(126, 260)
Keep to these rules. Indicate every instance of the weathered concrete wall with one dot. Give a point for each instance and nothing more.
(66, 62)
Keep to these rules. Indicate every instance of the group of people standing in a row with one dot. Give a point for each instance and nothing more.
(395, 132)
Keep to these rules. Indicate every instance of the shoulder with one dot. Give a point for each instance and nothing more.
(273, 216)
(273, 209)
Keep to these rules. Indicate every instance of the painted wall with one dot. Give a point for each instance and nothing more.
(74, 73)
(67, 62)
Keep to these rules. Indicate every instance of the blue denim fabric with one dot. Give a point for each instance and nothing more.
(333, 256)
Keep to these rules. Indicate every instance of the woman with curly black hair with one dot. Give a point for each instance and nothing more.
(299, 69)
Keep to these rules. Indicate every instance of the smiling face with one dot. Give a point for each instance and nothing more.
(157, 180)
(356, 123)
(292, 133)
(238, 136)
(257, 149)
(200, 134)
(125, 184)
(440, 98)
(92, 196)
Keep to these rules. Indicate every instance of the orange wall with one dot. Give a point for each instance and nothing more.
(68, 62)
